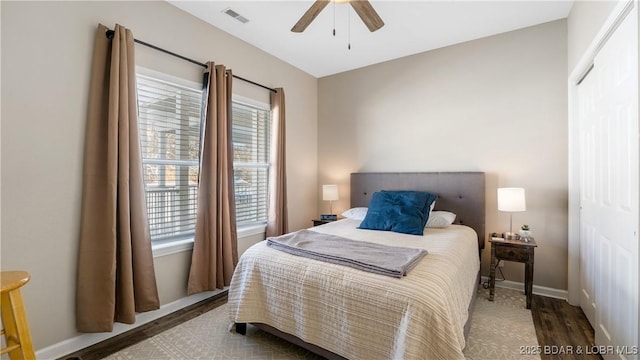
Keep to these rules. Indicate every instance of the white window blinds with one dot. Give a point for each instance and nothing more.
(169, 116)
(170, 135)
(251, 135)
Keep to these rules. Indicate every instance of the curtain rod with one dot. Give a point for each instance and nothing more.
(110, 35)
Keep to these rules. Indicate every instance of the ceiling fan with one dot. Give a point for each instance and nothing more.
(362, 7)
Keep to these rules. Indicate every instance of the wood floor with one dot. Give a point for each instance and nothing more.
(119, 342)
(561, 329)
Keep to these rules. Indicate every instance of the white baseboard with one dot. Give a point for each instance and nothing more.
(538, 290)
(82, 341)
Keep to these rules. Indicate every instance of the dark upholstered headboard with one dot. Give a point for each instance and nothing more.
(459, 192)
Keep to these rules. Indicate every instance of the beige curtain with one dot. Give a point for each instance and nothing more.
(277, 223)
(116, 277)
(215, 251)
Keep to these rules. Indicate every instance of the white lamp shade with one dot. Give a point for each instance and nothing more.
(511, 199)
(329, 192)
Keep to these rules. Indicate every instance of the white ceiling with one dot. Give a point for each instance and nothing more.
(410, 27)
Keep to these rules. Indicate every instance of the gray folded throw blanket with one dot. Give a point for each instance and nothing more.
(380, 259)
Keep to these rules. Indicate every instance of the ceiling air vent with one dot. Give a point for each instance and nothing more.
(235, 15)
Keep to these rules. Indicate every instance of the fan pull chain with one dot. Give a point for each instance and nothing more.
(349, 27)
(334, 18)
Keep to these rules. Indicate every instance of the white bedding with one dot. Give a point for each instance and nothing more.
(361, 315)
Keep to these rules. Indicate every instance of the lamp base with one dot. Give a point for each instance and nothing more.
(510, 236)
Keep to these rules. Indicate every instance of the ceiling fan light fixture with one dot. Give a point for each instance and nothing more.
(363, 8)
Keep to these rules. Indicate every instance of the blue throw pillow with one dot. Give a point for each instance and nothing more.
(405, 212)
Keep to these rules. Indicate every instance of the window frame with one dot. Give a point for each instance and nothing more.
(181, 82)
(242, 100)
(164, 247)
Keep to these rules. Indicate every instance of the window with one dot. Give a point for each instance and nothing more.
(170, 139)
(170, 129)
(251, 136)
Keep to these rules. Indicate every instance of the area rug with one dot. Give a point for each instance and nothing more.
(502, 329)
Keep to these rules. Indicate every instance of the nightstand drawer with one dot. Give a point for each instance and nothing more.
(512, 254)
(320, 222)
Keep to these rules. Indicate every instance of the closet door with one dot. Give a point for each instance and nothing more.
(589, 203)
(609, 269)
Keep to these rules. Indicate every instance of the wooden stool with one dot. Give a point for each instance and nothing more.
(14, 318)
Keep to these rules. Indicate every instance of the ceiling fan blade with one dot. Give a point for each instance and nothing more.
(308, 16)
(368, 15)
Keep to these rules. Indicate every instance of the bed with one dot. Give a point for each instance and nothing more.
(341, 312)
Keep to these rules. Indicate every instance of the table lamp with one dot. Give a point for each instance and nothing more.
(330, 193)
(511, 200)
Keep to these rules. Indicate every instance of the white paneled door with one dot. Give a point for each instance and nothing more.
(609, 185)
(588, 199)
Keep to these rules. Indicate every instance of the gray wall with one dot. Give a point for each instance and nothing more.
(46, 57)
(497, 104)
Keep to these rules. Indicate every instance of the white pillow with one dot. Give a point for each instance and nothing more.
(440, 219)
(357, 213)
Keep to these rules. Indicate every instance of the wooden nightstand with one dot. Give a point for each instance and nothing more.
(317, 222)
(512, 250)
